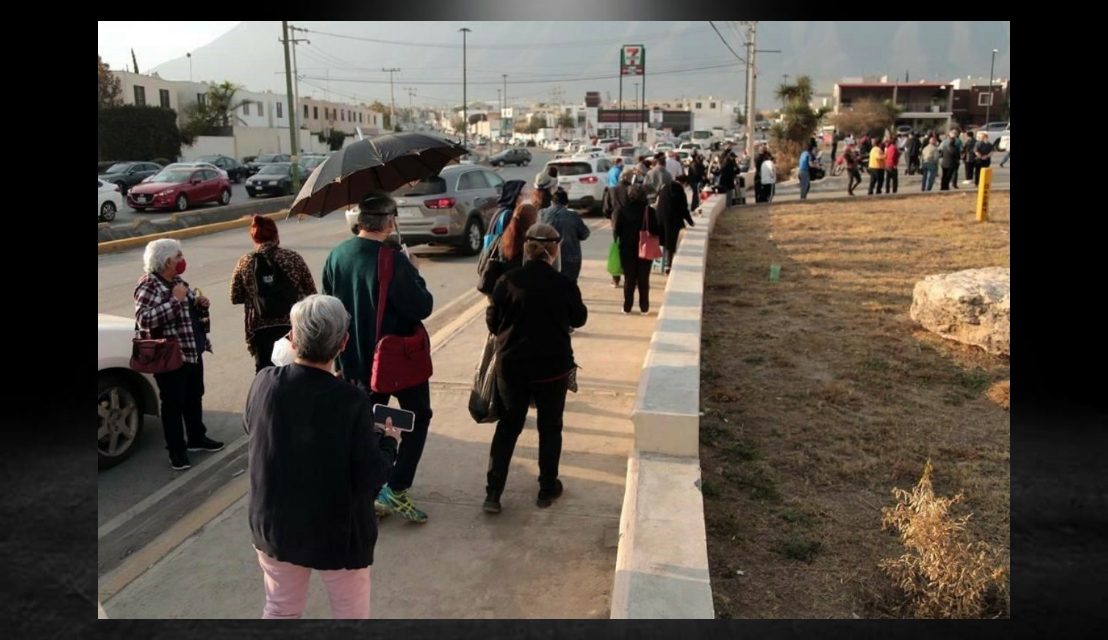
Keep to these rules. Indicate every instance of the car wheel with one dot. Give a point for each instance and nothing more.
(473, 237)
(224, 196)
(182, 202)
(107, 211)
(119, 424)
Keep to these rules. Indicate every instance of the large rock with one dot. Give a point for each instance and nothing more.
(971, 306)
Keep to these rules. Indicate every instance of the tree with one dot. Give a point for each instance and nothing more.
(108, 86)
(131, 132)
(867, 117)
(214, 116)
(458, 124)
(477, 117)
(799, 123)
(565, 121)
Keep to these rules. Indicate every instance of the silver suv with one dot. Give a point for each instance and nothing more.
(451, 208)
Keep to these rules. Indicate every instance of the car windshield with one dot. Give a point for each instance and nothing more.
(572, 168)
(119, 167)
(425, 187)
(266, 157)
(207, 158)
(172, 175)
(275, 169)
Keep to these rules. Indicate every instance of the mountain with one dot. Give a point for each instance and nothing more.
(544, 58)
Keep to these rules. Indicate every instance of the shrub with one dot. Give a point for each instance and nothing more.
(943, 574)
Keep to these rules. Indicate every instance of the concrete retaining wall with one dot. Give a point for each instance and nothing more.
(662, 559)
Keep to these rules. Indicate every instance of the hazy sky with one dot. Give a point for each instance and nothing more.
(345, 60)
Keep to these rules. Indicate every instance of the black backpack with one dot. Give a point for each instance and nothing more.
(275, 291)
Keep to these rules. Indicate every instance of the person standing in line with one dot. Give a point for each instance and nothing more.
(728, 173)
(572, 230)
(614, 203)
(983, 156)
(350, 274)
(613, 173)
(892, 159)
(316, 460)
(636, 271)
(265, 314)
(929, 164)
(532, 311)
(804, 171)
(854, 173)
(876, 167)
(948, 161)
(769, 178)
(673, 214)
(696, 177)
(969, 158)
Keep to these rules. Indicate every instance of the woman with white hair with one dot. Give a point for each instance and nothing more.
(165, 307)
(316, 463)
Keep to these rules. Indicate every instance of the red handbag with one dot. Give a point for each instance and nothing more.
(399, 362)
(156, 355)
(649, 247)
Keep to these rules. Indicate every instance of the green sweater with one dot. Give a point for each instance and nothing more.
(350, 274)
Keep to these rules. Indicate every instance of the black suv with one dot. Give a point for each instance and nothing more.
(236, 172)
(518, 157)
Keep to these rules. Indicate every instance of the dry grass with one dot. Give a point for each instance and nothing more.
(820, 393)
(943, 574)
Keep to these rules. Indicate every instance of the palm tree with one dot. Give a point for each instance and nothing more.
(222, 106)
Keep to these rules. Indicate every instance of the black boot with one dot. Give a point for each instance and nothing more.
(548, 496)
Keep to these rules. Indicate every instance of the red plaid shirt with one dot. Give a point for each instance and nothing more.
(157, 309)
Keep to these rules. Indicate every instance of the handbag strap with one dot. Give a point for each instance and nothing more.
(645, 213)
(384, 277)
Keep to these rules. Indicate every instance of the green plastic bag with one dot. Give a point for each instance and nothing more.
(615, 267)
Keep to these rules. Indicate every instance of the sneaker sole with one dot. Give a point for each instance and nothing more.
(187, 466)
(490, 508)
(195, 449)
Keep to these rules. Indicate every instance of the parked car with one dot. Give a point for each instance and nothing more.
(995, 131)
(690, 147)
(260, 161)
(127, 174)
(308, 164)
(273, 179)
(197, 165)
(452, 208)
(235, 171)
(124, 396)
(179, 188)
(518, 157)
(584, 179)
(1005, 139)
(108, 201)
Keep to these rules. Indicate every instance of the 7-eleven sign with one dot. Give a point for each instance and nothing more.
(632, 60)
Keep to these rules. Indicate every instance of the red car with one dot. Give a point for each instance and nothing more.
(179, 188)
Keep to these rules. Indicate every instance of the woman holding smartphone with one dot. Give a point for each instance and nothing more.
(316, 463)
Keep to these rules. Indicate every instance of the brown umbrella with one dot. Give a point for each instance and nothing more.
(384, 163)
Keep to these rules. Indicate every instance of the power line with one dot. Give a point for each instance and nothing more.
(521, 45)
(721, 38)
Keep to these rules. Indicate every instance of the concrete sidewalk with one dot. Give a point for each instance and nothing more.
(525, 562)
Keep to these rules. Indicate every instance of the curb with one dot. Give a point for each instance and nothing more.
(115, 246)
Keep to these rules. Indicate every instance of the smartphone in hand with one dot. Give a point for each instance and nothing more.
(402, 419)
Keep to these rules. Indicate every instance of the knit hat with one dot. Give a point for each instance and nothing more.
(263, 230)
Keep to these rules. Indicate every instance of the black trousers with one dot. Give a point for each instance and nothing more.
(876, 179)
(262, 344)
(636, 275)
(695, 185)
(977, 167)
(182, 392)
(416, 399)
(948, 173)
(891, 180)
(515, 398)
(854, 179)
(669, 242)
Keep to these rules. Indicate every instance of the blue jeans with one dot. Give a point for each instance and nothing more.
(805, 184)
(928, 178)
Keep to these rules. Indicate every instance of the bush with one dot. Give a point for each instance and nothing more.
(943, 574)
(137, 133)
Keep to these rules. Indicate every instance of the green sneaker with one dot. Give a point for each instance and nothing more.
(402, 505)
(381, 502)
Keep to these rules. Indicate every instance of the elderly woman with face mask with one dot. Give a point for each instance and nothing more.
(531, 312)
(316, 462)
(165, 307)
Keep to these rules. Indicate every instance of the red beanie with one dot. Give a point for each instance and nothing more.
(263, 230)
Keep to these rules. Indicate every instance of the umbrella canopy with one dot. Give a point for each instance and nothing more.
(384, 163)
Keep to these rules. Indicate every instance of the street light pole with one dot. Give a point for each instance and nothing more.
(392, 98)
(465, 109)
(989, 107)
(189, 56)
(505, 77)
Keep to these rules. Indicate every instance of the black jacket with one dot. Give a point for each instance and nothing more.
(316, 465)
(531, 311)
(628, 223)
(673, 208)
(615, 198)
(727, 176)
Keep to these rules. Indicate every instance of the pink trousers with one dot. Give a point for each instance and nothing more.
(286, 590)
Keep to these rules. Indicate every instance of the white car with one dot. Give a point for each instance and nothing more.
(108, 200)
(690, 147)
(584, 177)
(663, 147)
(1004, 140)
(124, 396)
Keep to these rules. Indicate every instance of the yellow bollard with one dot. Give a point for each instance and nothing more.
(985, 181)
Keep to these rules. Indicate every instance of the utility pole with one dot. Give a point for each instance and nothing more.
(392, 98)
(465, 107)
(752, 82)
(292, 112)
(505, 106)
(295, 72)
(411, 112)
